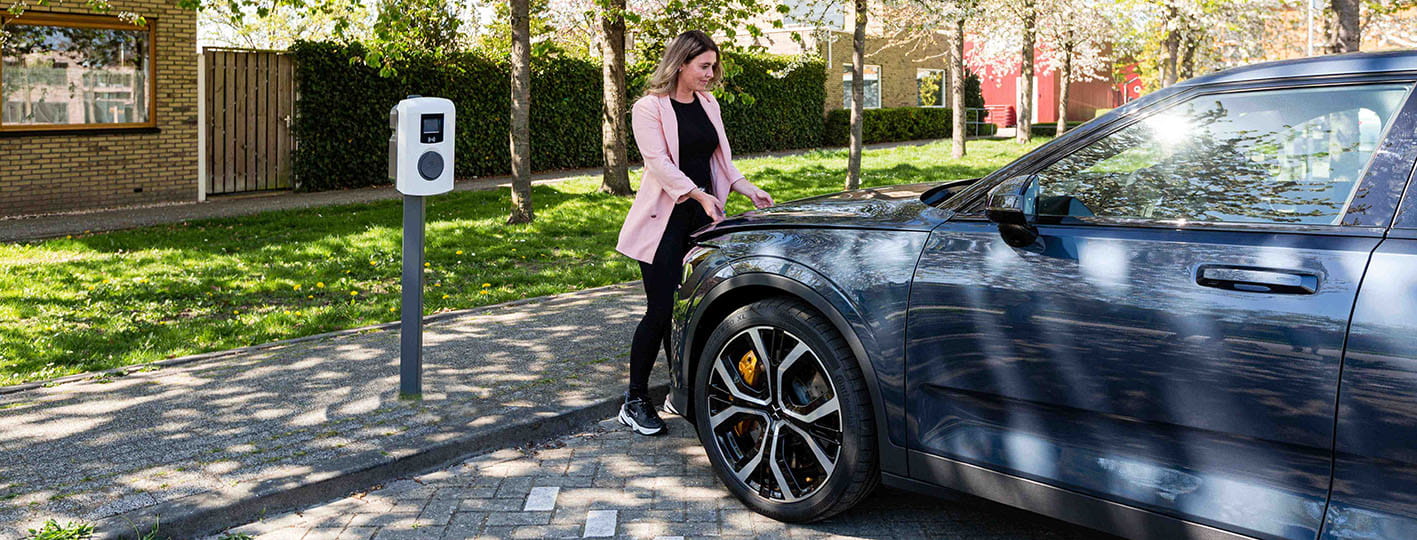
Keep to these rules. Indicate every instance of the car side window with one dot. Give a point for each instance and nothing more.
(1273, 156)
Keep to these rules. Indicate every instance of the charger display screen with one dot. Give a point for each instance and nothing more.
(432, 131)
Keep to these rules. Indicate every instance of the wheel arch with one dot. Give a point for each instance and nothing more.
(743, 289)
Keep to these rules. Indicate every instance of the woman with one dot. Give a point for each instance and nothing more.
(687, 177)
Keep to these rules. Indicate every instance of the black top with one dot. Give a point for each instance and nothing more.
(697, 141)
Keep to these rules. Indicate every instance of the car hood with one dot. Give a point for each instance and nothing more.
(889, 207)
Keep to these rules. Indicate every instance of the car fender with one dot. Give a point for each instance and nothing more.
(794, 279)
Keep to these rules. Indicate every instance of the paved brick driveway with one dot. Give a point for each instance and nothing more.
(608, 482)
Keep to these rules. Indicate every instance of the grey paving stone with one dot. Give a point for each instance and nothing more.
(519, 518)
(274, 413)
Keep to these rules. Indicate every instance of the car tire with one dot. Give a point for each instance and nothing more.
(794, 383)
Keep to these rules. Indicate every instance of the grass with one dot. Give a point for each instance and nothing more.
(100, 301)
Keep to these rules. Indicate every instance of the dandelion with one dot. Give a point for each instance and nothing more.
(393, 309)
(319, 284)
(484, 292)
(445, 297)
(311, 296)
(235, 312)
(486, 285)
(372, 263)
(459, 252)
(296, 287)
(426, 265)
(354, 293)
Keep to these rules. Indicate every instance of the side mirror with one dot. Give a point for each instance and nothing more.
(1011, 205)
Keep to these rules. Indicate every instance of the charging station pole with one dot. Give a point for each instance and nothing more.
(420, 164)
(411, 324)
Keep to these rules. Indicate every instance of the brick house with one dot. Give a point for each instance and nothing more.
(898, 73)
(98, 112)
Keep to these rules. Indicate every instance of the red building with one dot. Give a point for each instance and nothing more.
(1084, 98)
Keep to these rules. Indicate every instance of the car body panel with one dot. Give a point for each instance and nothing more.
(1094, 361)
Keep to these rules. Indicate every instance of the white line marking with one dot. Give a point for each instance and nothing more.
(599, 523)
(541, 499)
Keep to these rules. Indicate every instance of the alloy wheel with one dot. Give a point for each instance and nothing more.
(774, 414)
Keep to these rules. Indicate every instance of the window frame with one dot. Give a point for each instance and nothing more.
(944, 88)
(880, 90)
(968, 204)
(104, 22)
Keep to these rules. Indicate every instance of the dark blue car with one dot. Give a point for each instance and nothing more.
(1194, 317)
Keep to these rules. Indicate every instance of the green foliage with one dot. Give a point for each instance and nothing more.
(341, 120)
(52, 530)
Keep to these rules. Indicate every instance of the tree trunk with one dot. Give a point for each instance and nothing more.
(1345, 32)
(616, 180)
(858, 95)
(1025, 87)
(521, 113)
(957, 107)
(1171, 49)
(1064, 81)
(1187, 68)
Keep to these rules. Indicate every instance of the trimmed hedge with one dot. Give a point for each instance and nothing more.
(341, 121)
(895, 124)
(1050, 129)
(903, 123)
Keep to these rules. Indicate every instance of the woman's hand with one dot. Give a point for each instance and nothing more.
(760, 198)
(712, 208)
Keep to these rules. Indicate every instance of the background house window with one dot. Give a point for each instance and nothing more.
(872, 78)
(75, 72)
(930, 88)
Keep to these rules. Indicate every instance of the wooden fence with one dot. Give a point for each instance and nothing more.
(250, 98)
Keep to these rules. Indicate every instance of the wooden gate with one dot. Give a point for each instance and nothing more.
(250, 98)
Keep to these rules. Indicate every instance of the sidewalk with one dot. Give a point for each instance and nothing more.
(606, 482)
(226, 440)
(55, 225)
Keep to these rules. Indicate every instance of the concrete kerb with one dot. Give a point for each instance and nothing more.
(209, 513)
(140, 368)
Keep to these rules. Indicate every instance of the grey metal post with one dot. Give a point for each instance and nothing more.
(411, 325)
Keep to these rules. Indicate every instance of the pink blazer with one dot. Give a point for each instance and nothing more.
(663, 184)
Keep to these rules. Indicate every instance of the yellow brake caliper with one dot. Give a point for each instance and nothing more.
(748, 368)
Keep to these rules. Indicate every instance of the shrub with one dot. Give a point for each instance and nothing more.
(341, 121)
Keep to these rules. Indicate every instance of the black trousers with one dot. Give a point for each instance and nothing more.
(661, 280)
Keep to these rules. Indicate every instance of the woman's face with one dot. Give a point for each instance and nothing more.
(698, 71)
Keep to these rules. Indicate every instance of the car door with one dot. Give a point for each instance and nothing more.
(1172, 340)
(1375, 468)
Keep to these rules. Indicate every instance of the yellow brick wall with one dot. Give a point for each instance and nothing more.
(898, 60)
(81, 171)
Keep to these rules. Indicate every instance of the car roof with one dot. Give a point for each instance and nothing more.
(1318, 66)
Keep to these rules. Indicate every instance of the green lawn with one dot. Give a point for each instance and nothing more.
(101, 301)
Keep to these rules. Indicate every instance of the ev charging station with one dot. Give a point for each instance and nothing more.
(420, 164)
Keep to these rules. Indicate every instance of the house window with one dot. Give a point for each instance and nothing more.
(74, 72)
(871, 75)
(930, 88)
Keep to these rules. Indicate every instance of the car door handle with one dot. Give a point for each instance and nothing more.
(1253, 279)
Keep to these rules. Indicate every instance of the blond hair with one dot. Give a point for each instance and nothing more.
(680, 51)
